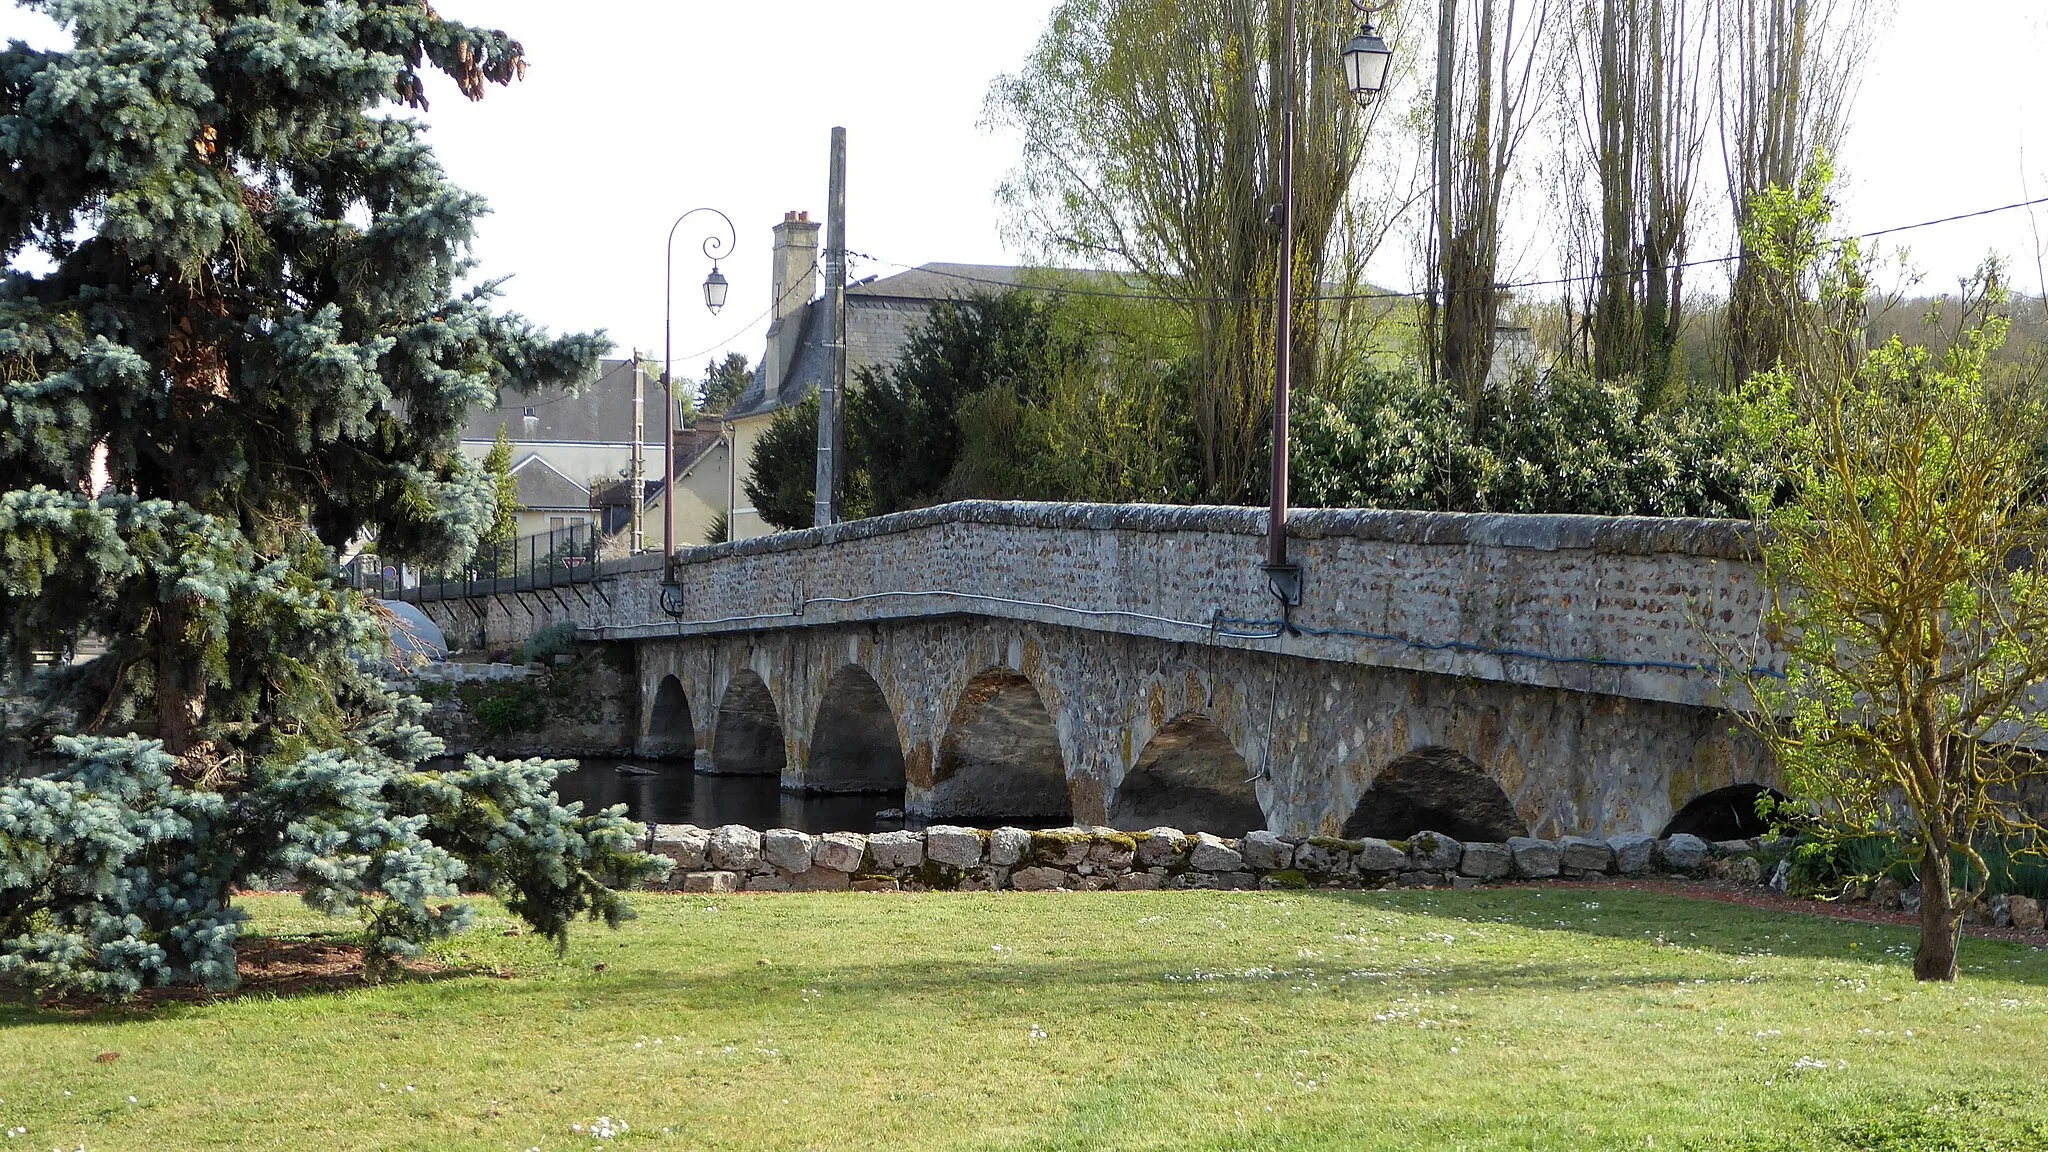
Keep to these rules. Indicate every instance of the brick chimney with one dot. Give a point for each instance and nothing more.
(793, 282)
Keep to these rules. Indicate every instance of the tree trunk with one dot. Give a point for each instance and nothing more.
(180, 683)
(1941, 922)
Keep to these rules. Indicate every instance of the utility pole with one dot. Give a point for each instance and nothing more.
(832, 394)
(639, 457)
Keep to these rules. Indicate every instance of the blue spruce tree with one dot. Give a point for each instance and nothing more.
(232, 282)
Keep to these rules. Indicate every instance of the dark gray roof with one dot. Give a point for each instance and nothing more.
(542, 488)
(880, 316)
(599, 413)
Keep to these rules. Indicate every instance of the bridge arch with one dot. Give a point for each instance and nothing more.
(1723, 814)
(1191, 777)
(671, 729)
(999, 760)
(1435, 789)
(747, 739)
(855, 746)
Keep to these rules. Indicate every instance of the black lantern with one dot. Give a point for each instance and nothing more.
(715, 288)
(1366, 61)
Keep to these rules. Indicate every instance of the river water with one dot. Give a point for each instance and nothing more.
(673, 794)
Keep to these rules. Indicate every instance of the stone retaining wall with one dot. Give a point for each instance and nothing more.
(735, 858)
(738, 858)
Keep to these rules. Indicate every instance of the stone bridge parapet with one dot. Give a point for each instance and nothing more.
(1574, 664)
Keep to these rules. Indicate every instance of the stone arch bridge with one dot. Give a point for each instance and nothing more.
(1482, 675)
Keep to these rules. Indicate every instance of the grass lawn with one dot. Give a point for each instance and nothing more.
(1509, 1018)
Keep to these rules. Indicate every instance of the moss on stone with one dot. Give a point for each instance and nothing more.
(938, 877)
(1048, 847)
(1288, 878)
(1338, 844)
(1123, 840)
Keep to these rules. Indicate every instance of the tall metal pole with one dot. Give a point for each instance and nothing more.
(668, 410)
(831, 394)
(713, 251)
(1283, 360)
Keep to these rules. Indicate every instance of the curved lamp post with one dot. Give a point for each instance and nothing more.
(715, 248)
(1366, 62)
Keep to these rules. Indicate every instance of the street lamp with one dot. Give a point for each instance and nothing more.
(1366, 59)
(715, 248)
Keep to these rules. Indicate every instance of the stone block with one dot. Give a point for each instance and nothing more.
(1215, 854)
(1266, 852)
(1138, 882)
(1374, 856)
(894, 851)
(839, 851)
(820, 879)
(1584, 854)
(1039, 879)
(959, 847)
(1113, 851)
(1059, 847)
(1465, 882)
(1434, 852)
(768, 882)
(735, 847)
(2026, 913)
(1006, 846)
(1420, 879)
(1161, 847)
(787, 849)
(711, 881)
(876, 884)
(1733, 847)
(1090, 883)
(1682, 853)
(1237, 881)
(686, 844)
(1534, 859)
(1486, 862)
(1325, 858)
(1633, 853)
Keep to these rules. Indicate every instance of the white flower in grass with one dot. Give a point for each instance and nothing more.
(1037, 1033)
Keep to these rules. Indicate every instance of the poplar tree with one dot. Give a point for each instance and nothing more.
(232, 282)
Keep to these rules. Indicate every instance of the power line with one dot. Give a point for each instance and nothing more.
(1356, 297)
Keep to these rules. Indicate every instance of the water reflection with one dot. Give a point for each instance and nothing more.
(673, 794)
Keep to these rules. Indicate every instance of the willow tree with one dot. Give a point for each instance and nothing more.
(1151, 143)
(233, 287)
(1787, 70)
(1637, 124)
(1490, 56)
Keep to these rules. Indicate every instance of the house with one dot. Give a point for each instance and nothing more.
(574, 456)
(881, 314)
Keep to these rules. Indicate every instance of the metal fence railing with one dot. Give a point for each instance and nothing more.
(554, 559)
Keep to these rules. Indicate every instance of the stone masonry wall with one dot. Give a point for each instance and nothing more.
(736, 858)
(1636, 607)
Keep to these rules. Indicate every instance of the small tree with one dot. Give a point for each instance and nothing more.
(494, 550)
(1910, 595)
(782, 475)
(724, 380)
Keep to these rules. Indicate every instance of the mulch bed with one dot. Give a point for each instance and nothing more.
(1755, 896)
(270, 968)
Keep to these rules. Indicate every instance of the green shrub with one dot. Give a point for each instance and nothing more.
(553, 640)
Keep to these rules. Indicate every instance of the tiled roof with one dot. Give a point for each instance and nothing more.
(541, 487)
(600, 413)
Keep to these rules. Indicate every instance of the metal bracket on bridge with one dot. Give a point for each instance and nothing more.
(672, 601)
(1285, 582)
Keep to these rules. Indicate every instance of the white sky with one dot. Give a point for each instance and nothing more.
(635, 110)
